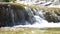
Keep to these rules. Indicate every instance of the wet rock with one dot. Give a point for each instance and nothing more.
(12, 15)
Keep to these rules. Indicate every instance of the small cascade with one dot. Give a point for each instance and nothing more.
(13, 16)
(36, 15)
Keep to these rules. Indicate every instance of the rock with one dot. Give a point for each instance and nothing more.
(52, 16)
(12, 15)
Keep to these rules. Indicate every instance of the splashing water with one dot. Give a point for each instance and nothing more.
(38, 19)
(38, 15)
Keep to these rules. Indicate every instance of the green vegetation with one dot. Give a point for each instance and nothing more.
(52, 31)
(6, 0)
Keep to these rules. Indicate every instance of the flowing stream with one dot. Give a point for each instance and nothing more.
(11, 16)
(15, 16)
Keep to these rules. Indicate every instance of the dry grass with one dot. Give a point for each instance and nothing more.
(26, 30)
(20, 31)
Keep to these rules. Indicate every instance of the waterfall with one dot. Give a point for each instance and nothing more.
(36, 18)
(13, 16)
(24, 16)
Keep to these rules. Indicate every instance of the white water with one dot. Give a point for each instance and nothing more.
(38, 17)
(40, 22)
